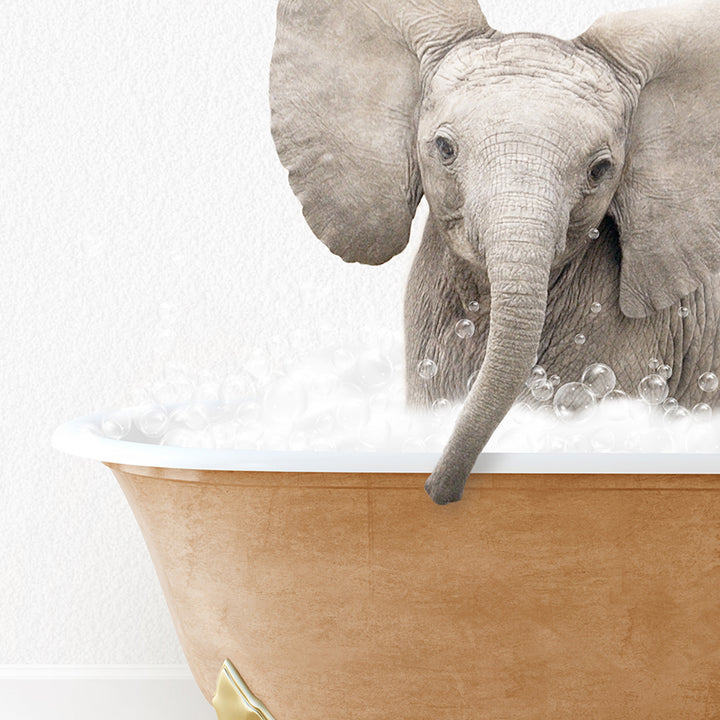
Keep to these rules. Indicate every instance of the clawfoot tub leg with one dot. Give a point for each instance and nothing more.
(233, 699)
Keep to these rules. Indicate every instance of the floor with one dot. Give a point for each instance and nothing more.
(106, 698)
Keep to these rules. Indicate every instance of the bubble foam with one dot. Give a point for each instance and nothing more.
(352, 398)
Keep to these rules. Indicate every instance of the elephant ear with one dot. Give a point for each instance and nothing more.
(667, 205)
(345, 82)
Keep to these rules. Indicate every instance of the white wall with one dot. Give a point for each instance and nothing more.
(136, 168)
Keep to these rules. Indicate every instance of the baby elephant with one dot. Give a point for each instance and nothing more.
(573, 187)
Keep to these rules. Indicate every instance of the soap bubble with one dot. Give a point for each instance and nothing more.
(353, 413)
(374, 370)
(603, 440)
(116, 424)
(649, 440)
(224, 434)
(703, 439)
(377, 435)
(248, 412)
(549, 442)
(437, 440)
(599, 378)
(537, 375)
(653, 389)
(640, 412)
(178, 437)
(378, 403)
(574, 401)
(249, 436)
(153, 421)
(545, 413)
(676, 411)
(595, 308)
(593, 233)
(519, 412)
(579, 339)
(140, 396)
(474, 306)
(510, 437)
(554, 380)
(276, 438)
(165, 392)
(322, 381)
(284, 401)
(471, 380)
(440, 407)
(577, 443)
(702, 411)
(427, 369)
(464, 328)
(421, 423)
(665, 372)
(615, 395)
(708, 382)
(321, 424)
(683, 311)
(616, 405)
(194, 416)
(645, 440)
(202, 439)
(236, 388)
(184, 385)
(343, 360)
(297, 440)
(679, 419)
(653, 364)
(322, 444)
(543, 391)
(670, 404)
(91, 428)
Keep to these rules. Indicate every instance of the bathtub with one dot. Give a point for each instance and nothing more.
(327, 586)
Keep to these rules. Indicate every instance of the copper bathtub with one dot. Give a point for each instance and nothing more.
(327, 586)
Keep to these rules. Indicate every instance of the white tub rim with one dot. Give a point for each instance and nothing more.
(77, 438)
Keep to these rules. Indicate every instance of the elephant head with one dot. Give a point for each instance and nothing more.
(521, 143)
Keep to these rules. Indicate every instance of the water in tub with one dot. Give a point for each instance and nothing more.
(351, 398)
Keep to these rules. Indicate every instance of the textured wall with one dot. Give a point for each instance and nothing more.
(136, 169)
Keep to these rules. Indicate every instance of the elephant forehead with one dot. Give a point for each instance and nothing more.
(526, 61)
(526, 81)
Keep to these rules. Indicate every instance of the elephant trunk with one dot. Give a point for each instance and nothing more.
(520, 237)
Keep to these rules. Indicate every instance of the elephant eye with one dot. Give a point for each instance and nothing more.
(599, 170)
(446, 148)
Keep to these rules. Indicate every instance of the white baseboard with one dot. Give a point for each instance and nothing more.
(110, 692)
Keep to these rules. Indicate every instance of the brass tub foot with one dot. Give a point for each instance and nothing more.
(233, 699)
